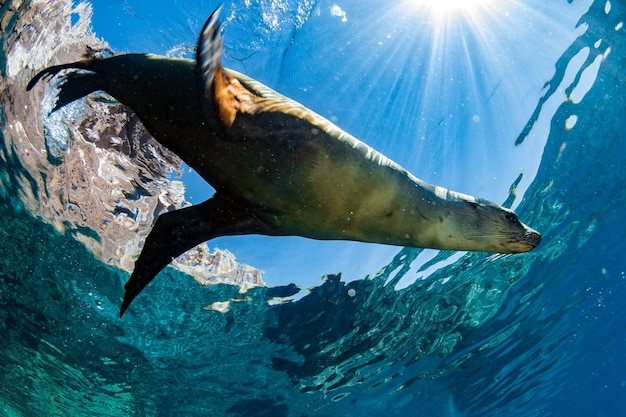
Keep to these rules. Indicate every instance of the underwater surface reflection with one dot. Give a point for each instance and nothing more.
(426, 332)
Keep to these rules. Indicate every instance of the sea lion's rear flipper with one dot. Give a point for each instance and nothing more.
(74, 85)
(178, 231)
(223, 95)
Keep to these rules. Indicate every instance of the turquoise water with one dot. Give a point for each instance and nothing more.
(425, 333)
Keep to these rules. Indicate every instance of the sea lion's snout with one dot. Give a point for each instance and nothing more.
(529, 240)
(532, 237)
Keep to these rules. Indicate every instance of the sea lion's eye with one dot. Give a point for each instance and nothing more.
(511, 218)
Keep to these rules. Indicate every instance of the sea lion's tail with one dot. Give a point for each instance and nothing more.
(75, 84)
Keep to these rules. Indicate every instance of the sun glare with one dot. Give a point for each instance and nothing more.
(446, 8)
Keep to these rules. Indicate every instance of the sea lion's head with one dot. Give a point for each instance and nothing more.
(480, 225)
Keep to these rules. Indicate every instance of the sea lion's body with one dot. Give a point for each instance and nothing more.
(324, 183)
(277, 167)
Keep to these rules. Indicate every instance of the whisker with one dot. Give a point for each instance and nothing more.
(501, 235)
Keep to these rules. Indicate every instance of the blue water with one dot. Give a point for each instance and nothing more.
(475, 101)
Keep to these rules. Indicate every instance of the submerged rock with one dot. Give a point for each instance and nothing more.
(90, 168)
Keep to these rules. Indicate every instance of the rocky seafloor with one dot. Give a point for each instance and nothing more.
(90, 168)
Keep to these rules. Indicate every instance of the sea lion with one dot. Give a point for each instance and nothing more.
(277, 167)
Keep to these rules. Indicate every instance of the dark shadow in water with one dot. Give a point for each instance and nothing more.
(12, 172)
(267, 407)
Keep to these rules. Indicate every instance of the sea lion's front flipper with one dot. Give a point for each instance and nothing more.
(177, 231)
(223, 96)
